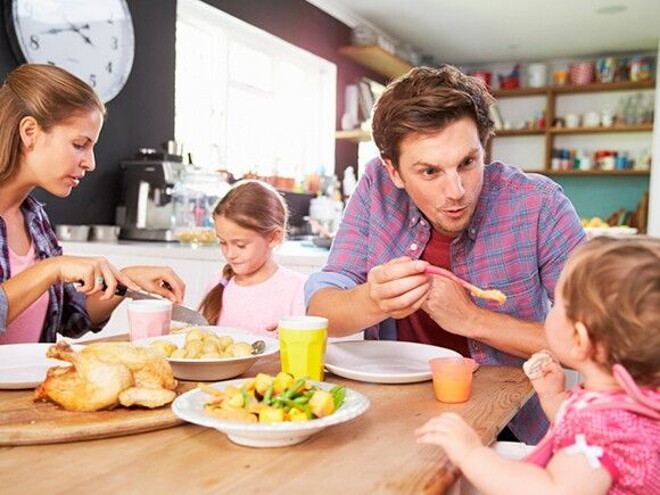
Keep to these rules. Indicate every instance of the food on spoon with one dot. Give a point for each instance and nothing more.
(203, 344)
(489, 294)
(536, 364)
(258, 400)
(104, 375)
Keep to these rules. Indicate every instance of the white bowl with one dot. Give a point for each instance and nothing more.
(190, 407)
(214, 369)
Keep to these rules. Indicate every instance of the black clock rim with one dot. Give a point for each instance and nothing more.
(12, 36)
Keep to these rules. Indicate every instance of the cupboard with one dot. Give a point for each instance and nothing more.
(551, 96)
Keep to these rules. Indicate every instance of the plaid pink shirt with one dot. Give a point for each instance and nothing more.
(67, 313)
(517, 241)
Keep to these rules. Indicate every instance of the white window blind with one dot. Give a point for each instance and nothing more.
(249, 102)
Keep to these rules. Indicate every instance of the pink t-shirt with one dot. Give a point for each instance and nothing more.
(256, 307)
(628, 439)
(27, 326)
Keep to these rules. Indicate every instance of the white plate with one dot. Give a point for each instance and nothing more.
(25, 365)
(214, 369)
(383, 361)
(617, 231)
(190, 407)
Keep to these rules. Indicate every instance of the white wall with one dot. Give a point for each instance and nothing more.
(654, 182)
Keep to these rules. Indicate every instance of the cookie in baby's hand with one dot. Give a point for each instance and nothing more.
(533, 367)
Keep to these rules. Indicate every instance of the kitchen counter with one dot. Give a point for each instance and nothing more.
(194, 265)
(290, 253)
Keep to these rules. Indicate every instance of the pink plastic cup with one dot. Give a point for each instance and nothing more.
(149, 318)
(452, 378)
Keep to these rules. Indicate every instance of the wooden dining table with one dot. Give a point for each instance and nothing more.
(375, 453)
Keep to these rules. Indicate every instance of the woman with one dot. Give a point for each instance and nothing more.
(49, 123)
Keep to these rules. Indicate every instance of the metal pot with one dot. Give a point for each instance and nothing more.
(78, 233)
(106, 233)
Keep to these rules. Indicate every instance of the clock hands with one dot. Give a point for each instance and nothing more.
(74, 28)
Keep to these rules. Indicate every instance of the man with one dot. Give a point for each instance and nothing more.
(432, 200)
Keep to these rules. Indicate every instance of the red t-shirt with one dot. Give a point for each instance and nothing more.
(419, 327)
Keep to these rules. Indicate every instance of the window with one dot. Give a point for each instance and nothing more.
(249, 102)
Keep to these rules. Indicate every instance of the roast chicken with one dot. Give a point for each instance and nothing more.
(104, 375)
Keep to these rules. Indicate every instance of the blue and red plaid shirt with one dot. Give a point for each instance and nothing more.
(66, 313)
(518, 239)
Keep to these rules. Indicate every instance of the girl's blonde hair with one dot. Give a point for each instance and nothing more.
(49, 94)
(253, 205)
(613, 287)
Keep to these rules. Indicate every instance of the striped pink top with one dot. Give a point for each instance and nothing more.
(26, 327)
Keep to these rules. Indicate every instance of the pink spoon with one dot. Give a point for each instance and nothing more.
(490, 294)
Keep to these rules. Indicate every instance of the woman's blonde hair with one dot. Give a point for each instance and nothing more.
(613, 287)
(49, 94)
(253, 205)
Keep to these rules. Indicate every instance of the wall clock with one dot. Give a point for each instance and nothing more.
(92, 39)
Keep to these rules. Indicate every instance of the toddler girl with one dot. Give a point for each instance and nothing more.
(605, 323)
(253, 292)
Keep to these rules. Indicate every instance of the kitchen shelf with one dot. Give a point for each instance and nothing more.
(572, 88)
(377, 59)
(581, 173)
(551, 94)
(519, 132)
(594, 130)
(357, 135)
(498, 93)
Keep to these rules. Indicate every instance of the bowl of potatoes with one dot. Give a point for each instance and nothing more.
(211, 353)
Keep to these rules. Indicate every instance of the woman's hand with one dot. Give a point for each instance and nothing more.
(453, 434)
(92, 274)
(399, 287)
(159, 280)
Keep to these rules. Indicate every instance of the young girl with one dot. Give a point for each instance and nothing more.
(49, 123)
(253, 292)
(605, 324)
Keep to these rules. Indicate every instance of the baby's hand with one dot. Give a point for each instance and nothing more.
(539, 364)
(545, 373)
(452, 433)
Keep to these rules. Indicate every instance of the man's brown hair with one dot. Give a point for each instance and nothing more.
(427, 100)
(613, 287)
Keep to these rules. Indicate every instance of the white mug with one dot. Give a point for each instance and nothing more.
(572, 120)
(537, 75)
(591, 119)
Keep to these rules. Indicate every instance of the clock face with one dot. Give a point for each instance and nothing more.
(92, 39)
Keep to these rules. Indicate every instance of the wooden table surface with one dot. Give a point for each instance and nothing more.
(372, 454)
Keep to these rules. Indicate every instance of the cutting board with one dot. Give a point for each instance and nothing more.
(25, 422)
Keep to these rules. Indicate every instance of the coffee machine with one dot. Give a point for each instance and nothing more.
(146, 207)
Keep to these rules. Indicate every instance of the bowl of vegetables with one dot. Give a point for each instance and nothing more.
(269, 411)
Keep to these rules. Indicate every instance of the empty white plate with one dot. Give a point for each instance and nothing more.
(383, 361)
(25, 365)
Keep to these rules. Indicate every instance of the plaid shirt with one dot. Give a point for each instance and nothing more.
(517, 241)
(66, 313)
